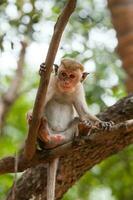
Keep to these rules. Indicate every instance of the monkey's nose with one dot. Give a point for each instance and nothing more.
(67, 80)
(67, 83)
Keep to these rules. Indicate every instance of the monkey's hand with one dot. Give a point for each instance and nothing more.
(105, 126)
(85, 127)
(29, 117)
(42, 69)
(86, 123)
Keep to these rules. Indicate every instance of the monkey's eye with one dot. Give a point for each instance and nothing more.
(63, 74)
(72, 76)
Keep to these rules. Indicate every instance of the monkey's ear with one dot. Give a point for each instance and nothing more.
(84, 75)
(56, 67)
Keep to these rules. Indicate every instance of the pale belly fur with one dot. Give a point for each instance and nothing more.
(59, 115)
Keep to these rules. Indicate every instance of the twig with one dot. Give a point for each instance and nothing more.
(38, 109)
(9, 97)
(15, 84)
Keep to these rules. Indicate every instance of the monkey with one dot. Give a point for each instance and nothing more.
(65, 106)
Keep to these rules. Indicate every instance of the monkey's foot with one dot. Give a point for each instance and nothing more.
(105, 126)
(42, 69)
(54, 141)
(57, 138)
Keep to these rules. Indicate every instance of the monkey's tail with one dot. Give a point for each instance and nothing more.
(51, 178)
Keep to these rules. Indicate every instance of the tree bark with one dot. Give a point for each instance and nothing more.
(122, 15)
(81, 156)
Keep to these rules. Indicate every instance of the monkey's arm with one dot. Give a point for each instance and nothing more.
(51, 89)
(49, 95)
(82, 110)
(82, 107)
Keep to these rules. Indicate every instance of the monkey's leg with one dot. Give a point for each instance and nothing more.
(67, 134)
(49, 140)
(51, 178)
(54, 139)
(43, 132)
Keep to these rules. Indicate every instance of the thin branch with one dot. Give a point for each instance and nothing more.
(12, 91)
(38, 109)
(9, 97)
(7, 164)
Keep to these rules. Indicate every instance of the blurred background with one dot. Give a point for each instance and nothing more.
(26, 27)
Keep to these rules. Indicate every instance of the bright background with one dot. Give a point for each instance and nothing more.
(89, 38)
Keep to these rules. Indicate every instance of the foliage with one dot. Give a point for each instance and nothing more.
(83, 40)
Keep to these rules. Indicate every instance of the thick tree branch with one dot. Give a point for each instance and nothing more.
(11, 94)
(38, 109)
(81, 155)
(122, 12)
(77, 157)
(7, 165)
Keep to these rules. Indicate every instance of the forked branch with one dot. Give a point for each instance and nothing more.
(38, 109)
(10, 96)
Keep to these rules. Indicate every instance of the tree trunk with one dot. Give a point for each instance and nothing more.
(80, 157)
(122, 15)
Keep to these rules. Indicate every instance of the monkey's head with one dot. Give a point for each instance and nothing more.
(69, 74)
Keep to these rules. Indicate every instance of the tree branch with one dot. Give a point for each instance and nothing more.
(78, 157)
(7, 165)
(9, 97)
(38, 109)
(119, 113)
(12, 91)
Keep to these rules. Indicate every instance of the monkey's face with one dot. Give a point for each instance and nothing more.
(68, 79)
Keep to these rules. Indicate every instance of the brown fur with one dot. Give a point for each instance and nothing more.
(72, 64)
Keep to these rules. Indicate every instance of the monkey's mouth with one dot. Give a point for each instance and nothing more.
(66, 87)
